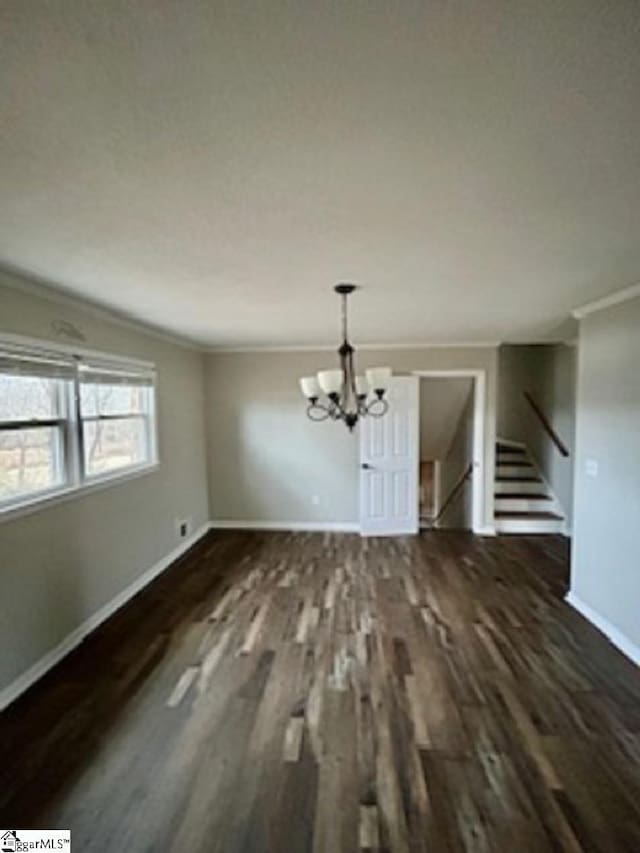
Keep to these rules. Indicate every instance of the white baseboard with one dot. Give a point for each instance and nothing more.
(310, 526)
(485, 530)
(619, 640)
(38, 669)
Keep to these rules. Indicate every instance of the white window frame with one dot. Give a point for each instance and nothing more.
(58, 421)
(148, 416)
(77, 481)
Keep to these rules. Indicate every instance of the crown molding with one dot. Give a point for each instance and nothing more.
(410, 345)
(16, 279)
(34, 286)
(29, 343)
(609, 301)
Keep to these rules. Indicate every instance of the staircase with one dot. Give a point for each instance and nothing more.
(523, 503)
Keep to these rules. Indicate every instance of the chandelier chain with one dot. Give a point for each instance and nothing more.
(344, 317)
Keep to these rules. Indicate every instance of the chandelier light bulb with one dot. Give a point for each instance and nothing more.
(330, 381)
(362, 386)
(378, 378)
(310, 387)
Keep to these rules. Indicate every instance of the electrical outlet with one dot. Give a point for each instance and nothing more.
(315, 500)
(592, 467)
(183, 527)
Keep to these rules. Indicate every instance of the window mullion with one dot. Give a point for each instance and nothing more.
(60, 450)
(152, 434)
(75, 430)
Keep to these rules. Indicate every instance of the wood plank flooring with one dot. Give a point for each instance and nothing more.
(318, 692)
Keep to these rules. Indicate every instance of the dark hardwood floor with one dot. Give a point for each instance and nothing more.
(293, 692)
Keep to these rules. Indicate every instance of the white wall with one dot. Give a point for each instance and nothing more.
(63, 562)
(548, 372)
(605, 572)
(267, 461)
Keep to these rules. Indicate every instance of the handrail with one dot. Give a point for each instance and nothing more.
(454, 491)
(553, 435)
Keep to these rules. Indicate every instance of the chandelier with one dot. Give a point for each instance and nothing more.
(347, 396)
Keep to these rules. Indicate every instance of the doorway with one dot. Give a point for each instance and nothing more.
(451, 437)
(446, 452)
(390, 460)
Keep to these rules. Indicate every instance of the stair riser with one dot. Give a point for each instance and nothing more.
(523, 525)
(523, 505)
(501, 444)
(517, 486)
(515, 471)
(517, 477)
(511, 459)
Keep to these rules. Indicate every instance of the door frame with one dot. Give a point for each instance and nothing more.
(479, 378)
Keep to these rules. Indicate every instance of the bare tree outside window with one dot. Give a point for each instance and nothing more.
(66, 421)
(29, 442)
(115, 426)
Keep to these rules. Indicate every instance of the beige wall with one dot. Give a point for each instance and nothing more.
(548, 372)
(268, 462)
(605, 573)
(63, 562)
(459, 456)
(441, 405)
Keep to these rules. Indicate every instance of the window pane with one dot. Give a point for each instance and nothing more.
(99, 399)
(27, 397)
(109, 445)
(30, 461)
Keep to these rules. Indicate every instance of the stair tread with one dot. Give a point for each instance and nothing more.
(521, 496)
(507, 448)
(529, 516)
(515, 479)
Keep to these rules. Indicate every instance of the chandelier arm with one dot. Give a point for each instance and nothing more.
(377, 408)
(318, 411)
(340, 411)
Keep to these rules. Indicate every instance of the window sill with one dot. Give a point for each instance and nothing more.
(67, 493)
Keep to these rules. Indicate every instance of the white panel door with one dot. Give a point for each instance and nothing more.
(389, 464)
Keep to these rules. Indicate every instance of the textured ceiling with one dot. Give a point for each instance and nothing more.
(213, 168)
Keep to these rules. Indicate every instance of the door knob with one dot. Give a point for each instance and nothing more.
(366, 467)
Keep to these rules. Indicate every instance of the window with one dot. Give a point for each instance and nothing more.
(116, 416)
(34, 424)
(67, 421)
